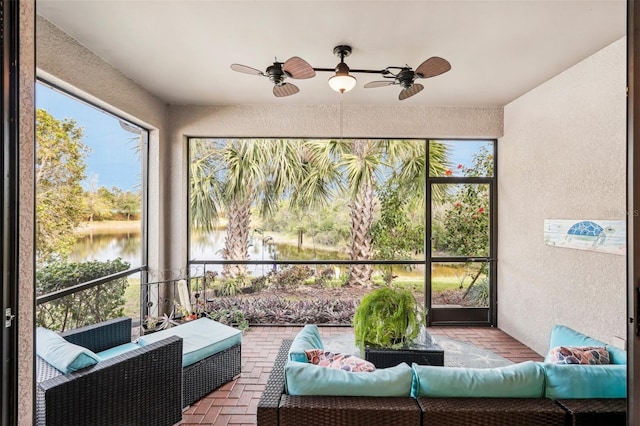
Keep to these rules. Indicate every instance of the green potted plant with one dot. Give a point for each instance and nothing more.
(388, 317)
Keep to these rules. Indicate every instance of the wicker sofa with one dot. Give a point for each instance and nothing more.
(276, 407)
(139, 387)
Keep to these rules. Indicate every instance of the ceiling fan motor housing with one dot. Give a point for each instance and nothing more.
(275, 73)
(405, 77)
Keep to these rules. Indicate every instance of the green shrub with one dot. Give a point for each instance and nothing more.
(479, 293)
(100, 303)
(233, 286)
(291, 278)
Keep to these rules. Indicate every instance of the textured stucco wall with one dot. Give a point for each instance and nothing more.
(324, 121)
(26, 131)
(563, 156)
(321, 121)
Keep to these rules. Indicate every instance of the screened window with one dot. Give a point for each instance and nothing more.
(90, 193)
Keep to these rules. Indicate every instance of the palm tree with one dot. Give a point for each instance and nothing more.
(232, 176)
(366, 165)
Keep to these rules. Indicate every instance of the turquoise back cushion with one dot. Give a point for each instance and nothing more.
(617, 355)
(523, 380)
(564, 336)
(585, 381)
(307, 338)
(118, 350)
(61, 354)
(302, 378)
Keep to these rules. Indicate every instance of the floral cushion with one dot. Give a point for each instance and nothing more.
(338, 361)
(594, 355)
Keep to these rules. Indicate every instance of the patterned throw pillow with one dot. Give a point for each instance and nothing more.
(593, 355)
(339, 361)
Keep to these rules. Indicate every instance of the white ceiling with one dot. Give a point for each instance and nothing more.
(181, 50)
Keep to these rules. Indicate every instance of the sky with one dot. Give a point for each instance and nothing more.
(112, 159)
(461, 152)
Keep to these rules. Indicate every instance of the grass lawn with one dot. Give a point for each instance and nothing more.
(132, 298)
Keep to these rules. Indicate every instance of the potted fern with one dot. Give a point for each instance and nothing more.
(388, 318)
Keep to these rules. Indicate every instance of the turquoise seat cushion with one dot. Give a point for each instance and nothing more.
(564, 336)
(61, 354)
(118, 350)
(307, 338)
(303, 378)
(565, 381)
(201, 338)
(523, 380)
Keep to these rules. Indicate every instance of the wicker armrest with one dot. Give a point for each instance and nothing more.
(270, 399)
(101, 336)
(140, 387)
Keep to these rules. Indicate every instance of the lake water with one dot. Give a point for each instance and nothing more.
(109, 246)
(128, 246)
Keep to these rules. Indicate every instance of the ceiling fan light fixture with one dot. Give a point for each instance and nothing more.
(342, 81)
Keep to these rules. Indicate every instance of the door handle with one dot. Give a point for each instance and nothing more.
(8, 318)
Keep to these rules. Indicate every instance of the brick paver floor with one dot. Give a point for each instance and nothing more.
(236, 402)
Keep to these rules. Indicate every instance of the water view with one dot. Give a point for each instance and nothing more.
(109, 244)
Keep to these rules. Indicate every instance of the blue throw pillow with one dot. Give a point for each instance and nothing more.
(565, 381)
(61, 354)
(523, 380)
(307, 338)
(310, 379)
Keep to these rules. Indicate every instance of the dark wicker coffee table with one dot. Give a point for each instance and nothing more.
(425, 351)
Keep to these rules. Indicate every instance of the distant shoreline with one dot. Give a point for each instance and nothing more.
(108, 227)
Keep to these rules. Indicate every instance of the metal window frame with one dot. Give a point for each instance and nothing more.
(633, 207)
(466, 316)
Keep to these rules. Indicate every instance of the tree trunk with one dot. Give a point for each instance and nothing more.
(237, 238)
(481, 271)
(361, 220)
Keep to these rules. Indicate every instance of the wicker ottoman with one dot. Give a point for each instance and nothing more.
(211, 355)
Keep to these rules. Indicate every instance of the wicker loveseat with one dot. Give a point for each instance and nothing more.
(277, 407)
(142, 386)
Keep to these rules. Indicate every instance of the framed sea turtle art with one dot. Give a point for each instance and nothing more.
(607, 236)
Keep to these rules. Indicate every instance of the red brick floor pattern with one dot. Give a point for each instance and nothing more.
(236, 402)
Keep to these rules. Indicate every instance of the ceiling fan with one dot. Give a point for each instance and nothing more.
(406, 77)
(343, 81)
(294, 67)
